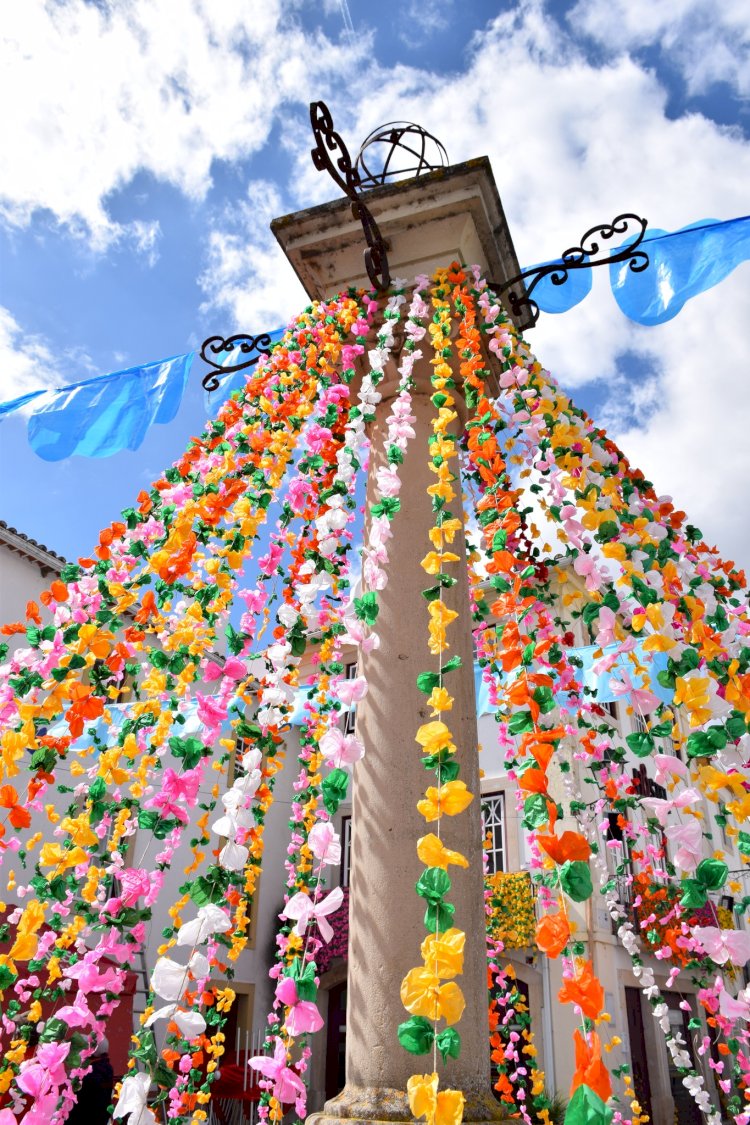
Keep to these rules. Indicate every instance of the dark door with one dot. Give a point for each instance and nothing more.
(336, 1041)
(685, 1109)
(638, 1056)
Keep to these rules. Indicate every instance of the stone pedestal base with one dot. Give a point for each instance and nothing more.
(375, 1104)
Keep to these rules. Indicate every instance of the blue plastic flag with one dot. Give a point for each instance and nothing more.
(600, 684)
(102, 416)
(682, 264)
(553, 298)
(17, 403)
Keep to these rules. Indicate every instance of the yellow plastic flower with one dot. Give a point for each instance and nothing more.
(433, 561)
(449, 800)
(444, 1108)
(440, 616)
(54, 855)
(440, 700)
(434, 737)
(79, 830)
(693, 695)
(422, 994)
(23, 948)
(443, 954)
(433, 853)
(445, 533)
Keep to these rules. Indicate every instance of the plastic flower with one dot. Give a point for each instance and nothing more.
(422, 994)
(553, 934)
(443, 953)
(440, 700)
(449, 800)
(433, 853)
(434, 561)
(585, 990)
(434, 737)
(590, 1070)
(439, 1108)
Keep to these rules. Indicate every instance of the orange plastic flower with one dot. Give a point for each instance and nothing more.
(553, 934)
(571, 845)
(585, 990)
(590, 1070)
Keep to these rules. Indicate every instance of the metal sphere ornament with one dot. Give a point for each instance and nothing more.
(396, 150)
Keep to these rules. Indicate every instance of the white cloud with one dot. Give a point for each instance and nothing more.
(99, 94)
(27, 363)
(706, 41)
(573, 143)
(247, 275)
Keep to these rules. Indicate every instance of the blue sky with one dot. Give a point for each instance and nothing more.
(153, 140)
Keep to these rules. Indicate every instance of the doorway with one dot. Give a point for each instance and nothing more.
(336, 1041)
(638, 1055)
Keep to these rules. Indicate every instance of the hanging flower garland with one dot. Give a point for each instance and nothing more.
(157, 593)
(213, 718)
(336, 750)
(423, 992)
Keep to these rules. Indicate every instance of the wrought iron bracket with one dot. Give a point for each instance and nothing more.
(582, 257)
(331, 155)
(251, 348)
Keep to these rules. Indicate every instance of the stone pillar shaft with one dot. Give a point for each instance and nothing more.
(386, 915)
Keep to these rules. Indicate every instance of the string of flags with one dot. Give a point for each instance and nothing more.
(102, 416)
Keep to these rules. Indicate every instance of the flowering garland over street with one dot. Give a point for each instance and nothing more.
(148, 668)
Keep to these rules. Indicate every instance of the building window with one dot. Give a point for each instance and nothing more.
(346, 849)
(611, 708)
(350, 719)
(493, 827)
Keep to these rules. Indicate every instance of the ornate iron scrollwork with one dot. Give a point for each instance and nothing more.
(581, 257)
(331, 155)
(250, 347)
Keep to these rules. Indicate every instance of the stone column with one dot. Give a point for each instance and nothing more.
(386, 915)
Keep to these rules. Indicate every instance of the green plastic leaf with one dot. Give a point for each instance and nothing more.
(736, 727)
(448, 1043)
(191, 750)
(439, 918)
(235, 640)
(211, 887)
(575, 879)
(693, 894)
(334, 788)
(587, 1108)
(303, 975)
(416, 1035)
(433, 884)
(641, 743)
(449, 770)
(699, 746)
(426, 681)
(451, 665)
(7, 977)
(388, 506)
(608, 529)
(544, 697)
(367, 608)
(520, 722)
(712, 873)
(535, 812)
